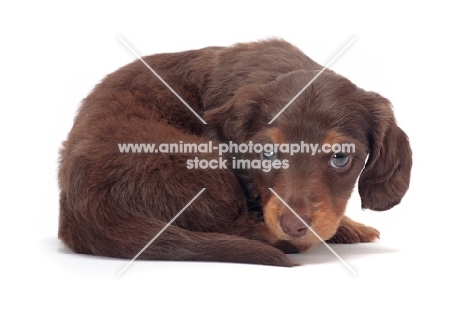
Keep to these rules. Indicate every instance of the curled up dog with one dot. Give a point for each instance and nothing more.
(112, 203)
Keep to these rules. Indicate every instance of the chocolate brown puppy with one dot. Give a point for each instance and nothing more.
(112, 203)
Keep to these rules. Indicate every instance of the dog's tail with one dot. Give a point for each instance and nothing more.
(126, 237)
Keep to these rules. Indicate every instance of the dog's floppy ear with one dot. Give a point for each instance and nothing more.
(386, 176)
(237, 119)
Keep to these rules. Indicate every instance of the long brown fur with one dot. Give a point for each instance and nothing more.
(112, 203)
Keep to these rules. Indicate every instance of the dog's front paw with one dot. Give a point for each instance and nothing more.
(350, 232)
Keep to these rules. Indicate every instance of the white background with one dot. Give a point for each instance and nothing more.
(52, 54)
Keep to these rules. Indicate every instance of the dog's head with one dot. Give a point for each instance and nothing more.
(354, 135)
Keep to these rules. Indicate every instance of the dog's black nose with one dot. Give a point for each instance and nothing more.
(293, 226)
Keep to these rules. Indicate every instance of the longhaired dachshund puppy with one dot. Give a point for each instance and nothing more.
(112, 203)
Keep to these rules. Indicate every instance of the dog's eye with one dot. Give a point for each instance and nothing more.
(269, 155)
(339, 160)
